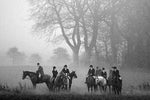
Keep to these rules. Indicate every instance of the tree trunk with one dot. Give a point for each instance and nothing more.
(76, 58)
(88, 56)
(97, 55)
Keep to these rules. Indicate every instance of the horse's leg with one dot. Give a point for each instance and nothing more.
(49, 85)
(65, 87)
(95, 88)
(58, 88)
(92, 88)
(100, 88)
(118, 90)
(115, 89)
(109, 86)
(88, 88)
(34, 86)
(69, 87)
(104, 88)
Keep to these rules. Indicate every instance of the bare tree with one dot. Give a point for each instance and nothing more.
(52, 15)
(34, 58)
(60, 57)
(16, 56)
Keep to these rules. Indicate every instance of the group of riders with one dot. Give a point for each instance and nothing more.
(98, 77)
(114, 72)
(40, 72)
(112, 79)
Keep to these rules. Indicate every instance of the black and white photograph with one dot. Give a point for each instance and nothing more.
(74, 49)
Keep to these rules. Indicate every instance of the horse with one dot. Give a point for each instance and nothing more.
(101, 82)
(58, 82)
(71, 75)
(114, 84)
(117, 85)
(62, 81)
(110, 83)
(34, 79)
(90, 81)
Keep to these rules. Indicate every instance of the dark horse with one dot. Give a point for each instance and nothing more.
(110, 83)
(71, 75)
(114, 84)
(90, 81)
(117, 85)
(63, 81)
(34, 79)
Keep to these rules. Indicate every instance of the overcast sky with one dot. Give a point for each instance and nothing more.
(15, 29)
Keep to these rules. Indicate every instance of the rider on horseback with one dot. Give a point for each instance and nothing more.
(91, 72)
(39, 72)
(98, 71)
(115, 72)
(66, 71)
(54, 71)
(117, 80)
(104, 73)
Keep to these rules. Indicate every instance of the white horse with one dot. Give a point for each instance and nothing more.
(101, 82)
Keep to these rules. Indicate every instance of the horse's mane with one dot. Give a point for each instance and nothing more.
(30, 72)
(71, 72)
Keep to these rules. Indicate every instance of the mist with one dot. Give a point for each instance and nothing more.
(101, 33)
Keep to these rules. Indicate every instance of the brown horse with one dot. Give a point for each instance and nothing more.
(91, 84)
(71, 75)
(117, 85)
(114, 84)
(34, 79)
(62, 81)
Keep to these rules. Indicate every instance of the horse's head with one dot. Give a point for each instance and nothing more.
(73, 74)
(24, 75)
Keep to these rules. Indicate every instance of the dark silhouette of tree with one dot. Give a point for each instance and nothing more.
(16, 56)
(52, 15)
(35, 58)
(116, 29)
(60, 57)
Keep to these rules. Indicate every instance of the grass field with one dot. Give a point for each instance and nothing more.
(72, 97)
(136, 86)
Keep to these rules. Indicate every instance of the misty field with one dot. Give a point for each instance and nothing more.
(72, 97)
(136, 86)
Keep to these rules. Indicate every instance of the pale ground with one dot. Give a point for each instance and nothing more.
(12, 75)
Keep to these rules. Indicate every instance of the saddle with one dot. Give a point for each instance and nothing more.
(39, 78)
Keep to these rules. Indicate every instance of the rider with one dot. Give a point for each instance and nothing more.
(111, 72)
(104, 73)
(115, 72)
(54, 71)
(91, 71)
(40, 72)
(98, 71)
(65, 70)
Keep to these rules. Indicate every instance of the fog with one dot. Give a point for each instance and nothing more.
(103, 33)
(12, 75)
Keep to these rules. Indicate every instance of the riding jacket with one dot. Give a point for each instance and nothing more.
(116, 73)
(98, 72)
(54, 73)
(40, 71)
(91, 72)
(66, 71)
(104, 74)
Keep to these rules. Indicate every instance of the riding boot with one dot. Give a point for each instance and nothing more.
(85, 80)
